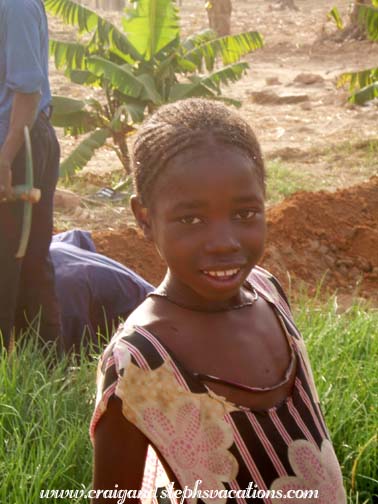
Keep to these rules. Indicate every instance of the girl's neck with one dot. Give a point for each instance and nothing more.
(184, 297)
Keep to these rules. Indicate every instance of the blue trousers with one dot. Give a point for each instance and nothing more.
(27, 285)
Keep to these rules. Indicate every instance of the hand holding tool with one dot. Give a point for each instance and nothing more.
(27, 193)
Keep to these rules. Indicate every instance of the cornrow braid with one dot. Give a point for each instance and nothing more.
(183, 125)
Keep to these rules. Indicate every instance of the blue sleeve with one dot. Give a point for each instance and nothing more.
(23, 43)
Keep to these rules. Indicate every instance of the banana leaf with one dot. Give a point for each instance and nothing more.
(73, 14)
(87, 20)
(83, 77)
(80, 156)
(225, 75)
(368, 17)
(120, 77)
(76, 116)
(68, 54)
(151, 26)
(209, 85)
(365, 94)
(197, 39)
(230, 49)
(363, 83)
(134, 109)
(335, 15)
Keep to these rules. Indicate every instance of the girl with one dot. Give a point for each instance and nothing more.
(210, 370)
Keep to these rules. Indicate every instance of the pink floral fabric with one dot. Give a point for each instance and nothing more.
(196, 451)
(188, 429)
(315, 470)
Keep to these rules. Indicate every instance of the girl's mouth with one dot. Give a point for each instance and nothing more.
(226, 274)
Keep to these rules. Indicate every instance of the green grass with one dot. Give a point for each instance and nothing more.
(44, 413)
(323, 168)
(283, 181)
(364, 154)
(45, 410)
(343, 350)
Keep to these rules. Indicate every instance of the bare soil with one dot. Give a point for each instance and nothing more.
(289, 96)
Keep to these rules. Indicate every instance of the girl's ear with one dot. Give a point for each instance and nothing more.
(141, 215)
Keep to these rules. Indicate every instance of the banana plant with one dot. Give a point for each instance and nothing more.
(138, 68)
(363, 85)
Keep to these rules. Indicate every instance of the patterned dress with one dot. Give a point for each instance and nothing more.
(231, 449)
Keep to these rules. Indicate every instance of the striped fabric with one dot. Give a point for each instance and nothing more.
(204, 437)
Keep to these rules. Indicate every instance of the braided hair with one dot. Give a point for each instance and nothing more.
(183, 125)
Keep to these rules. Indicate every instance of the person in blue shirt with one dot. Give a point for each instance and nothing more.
(95, 293)
(26, 285)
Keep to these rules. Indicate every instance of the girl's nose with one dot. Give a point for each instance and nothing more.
(221, 239)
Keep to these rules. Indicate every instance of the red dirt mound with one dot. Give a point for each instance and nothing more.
(329, 236)
(312, 236)
(129, 247)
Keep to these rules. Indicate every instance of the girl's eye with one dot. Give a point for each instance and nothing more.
(190, 219)
(246, 214)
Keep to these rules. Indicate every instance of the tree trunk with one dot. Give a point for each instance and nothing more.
(356, 7)
(355, 30)
(219, 14)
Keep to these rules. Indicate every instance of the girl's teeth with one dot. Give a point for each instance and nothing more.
(222, 274)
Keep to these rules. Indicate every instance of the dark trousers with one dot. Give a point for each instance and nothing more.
(27, 285)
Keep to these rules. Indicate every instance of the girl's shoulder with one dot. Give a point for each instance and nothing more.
(130, 344)
(128, 347)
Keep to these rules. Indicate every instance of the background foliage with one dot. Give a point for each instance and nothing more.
(138, 69)
(363, 84)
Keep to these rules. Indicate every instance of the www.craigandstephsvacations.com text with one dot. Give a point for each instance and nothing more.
(180, 495)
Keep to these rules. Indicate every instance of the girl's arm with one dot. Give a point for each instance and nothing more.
(120, 451)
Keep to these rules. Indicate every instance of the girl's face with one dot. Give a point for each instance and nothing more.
(208, 223)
